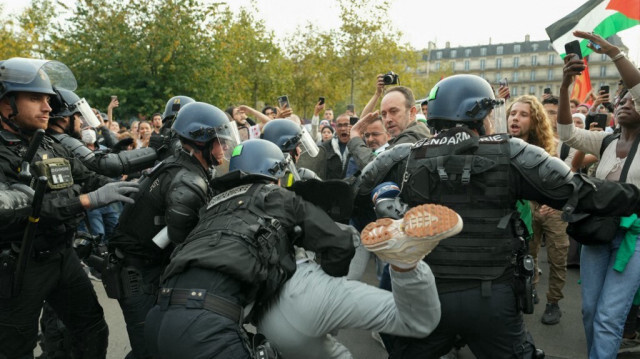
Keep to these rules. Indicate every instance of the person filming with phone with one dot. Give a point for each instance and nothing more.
(610, 272)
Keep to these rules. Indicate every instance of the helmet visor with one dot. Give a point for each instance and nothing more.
(308, 144)
(23, 71)
(228, 138)
(291, 167)
(88, 117)
(497, 118)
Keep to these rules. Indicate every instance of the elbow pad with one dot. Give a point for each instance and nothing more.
(375, 172)
(547, 174)
(187, 194)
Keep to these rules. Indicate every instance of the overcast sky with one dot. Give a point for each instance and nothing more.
(461, 22)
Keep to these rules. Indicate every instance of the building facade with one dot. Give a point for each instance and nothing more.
(529, 67)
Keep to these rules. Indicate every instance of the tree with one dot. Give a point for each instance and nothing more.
(25, 35)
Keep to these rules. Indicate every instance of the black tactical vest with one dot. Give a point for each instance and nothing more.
(236, 237)
(471, 176)
(141, 221)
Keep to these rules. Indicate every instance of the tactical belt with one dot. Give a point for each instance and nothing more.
(199, 298)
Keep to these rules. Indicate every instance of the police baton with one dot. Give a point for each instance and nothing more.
(29, 233)
(24, 173)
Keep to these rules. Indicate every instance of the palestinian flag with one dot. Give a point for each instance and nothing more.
(603, 17)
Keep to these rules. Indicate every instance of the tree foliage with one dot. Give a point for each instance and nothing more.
(146, 51)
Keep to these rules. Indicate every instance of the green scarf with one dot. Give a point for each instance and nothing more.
(628, 246)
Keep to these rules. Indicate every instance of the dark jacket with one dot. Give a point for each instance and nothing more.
(412, 134)
(336, 166)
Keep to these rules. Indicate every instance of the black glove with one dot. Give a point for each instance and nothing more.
(122, 145)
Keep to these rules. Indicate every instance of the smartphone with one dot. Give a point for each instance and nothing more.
(503, 82)
(321, 100)
(353, 120)
(113, 98)
(599, 118)
(283, 101)
(604, 88)
(351, 107)
(573, 47)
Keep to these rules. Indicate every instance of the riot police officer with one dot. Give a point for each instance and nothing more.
(171, 195)
(481, 177)
(166, 140)
(294, 140)
(53, 271)
(239, 255)
(69, 115)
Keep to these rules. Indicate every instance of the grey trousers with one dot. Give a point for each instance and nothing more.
(312, 304)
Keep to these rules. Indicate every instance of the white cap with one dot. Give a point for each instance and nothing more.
(579, 115)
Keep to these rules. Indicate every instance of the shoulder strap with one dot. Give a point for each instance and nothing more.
(564, 151)
(627, 162)
(606, 141)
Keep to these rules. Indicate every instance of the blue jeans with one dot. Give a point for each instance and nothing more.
(606, 296)
(103, 220)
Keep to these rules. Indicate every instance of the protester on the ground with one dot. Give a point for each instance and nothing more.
(220, 262)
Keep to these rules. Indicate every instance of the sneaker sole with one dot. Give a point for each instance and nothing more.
(427, 222)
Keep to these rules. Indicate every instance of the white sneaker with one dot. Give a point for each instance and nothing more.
(404, 242)
(630, 345)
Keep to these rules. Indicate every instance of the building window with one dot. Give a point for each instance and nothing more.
(532, 90)
(467, 52)
(534, 47)
(483, 51)
(498, 76)
(482, 64)
(550, 74)
(516, 48)
(515, 76)
(498, 63)
(439, 55)
(533, 75)
(514, 91)
(604, 57)
(453, 54)
(603, 71)
(551, 58)
(438, 66)
(453, 66)
(499, 50)
(466, 65)
(516, 61)
(534, 60)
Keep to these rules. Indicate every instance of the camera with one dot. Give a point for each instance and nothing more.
(390, 78)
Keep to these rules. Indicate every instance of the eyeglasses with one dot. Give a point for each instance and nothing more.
(367, 134)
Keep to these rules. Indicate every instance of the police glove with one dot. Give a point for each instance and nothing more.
(112, 192)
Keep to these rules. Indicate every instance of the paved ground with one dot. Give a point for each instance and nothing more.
(564, 340)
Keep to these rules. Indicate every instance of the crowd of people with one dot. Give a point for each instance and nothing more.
(202, 220)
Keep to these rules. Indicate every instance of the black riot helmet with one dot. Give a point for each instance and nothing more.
(259, 158)
(19, 74)
(457, 99)
(63, 104)
(201, 124)
(174, 105)
(287, 135)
